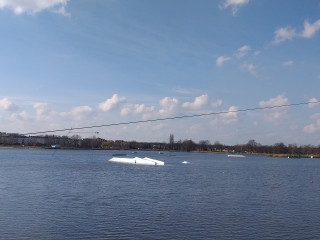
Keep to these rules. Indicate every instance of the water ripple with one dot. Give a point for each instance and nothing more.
(80, 195)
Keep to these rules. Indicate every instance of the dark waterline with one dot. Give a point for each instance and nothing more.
(49, 194)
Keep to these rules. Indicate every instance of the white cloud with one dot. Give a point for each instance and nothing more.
(231, 116)
(136, 109)
(235, 5)
(169, 105)
(43, 111)
(284, 34)
(313, 102)
(310, 29)
(288, 33)
(112, 103)
(81, 110)
(221, 60)
(34, 6)
(7, 105)
(314, 127)
(226, 117)
(277, 101)
(278, 113)
(287, 63)
(241, 52)
(251, 68)
(42, 108)
(256, 53)
(198, 103)
(23, 116)
(158, 127)
(77, 113)
(217, 103)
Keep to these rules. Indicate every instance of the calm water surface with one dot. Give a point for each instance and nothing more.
(49, 194)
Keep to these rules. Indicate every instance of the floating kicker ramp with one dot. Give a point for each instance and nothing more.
(137, 160)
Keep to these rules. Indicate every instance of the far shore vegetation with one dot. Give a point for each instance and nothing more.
(14, 140)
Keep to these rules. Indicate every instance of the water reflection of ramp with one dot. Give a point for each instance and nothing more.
(137, 160)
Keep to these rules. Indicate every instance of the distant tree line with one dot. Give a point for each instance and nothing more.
(292, 150)
(76, 141)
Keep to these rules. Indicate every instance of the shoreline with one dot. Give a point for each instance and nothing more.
(157, 150)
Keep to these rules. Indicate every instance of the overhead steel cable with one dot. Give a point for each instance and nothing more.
(172, 118)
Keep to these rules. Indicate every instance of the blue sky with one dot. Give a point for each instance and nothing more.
(74, 63)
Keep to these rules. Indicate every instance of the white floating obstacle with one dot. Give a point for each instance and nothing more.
(137, 160)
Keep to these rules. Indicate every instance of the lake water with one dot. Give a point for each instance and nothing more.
(70, 194)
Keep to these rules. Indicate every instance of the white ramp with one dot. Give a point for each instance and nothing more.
(137, 160)
(156, 162)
